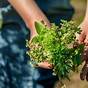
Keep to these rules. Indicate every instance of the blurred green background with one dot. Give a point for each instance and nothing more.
(80, 8)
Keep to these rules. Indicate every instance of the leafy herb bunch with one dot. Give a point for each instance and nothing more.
(57, 46)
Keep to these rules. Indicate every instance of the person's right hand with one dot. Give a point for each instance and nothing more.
(83, 39)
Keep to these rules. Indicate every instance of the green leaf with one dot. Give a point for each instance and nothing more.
(39, 27)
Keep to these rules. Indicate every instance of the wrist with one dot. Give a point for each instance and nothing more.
(84, 25)
(86, 17)
(33, 33)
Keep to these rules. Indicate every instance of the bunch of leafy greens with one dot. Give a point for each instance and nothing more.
(56, 45)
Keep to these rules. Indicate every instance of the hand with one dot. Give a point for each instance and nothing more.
(32, 35)
(83, 39)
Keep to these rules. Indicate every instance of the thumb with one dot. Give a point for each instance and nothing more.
(32, 35)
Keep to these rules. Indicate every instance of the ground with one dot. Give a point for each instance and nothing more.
(74, 82)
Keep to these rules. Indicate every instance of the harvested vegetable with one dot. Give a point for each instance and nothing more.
(56, 45)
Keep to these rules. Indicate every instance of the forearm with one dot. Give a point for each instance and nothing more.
(29, 11)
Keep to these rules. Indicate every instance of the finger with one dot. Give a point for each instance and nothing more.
(77, 36)
(48, 65)
(86, 41)
(45, 65)
(85, 54)
(87, 71)
(83, 72)
(87, 76)
(82, 37)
